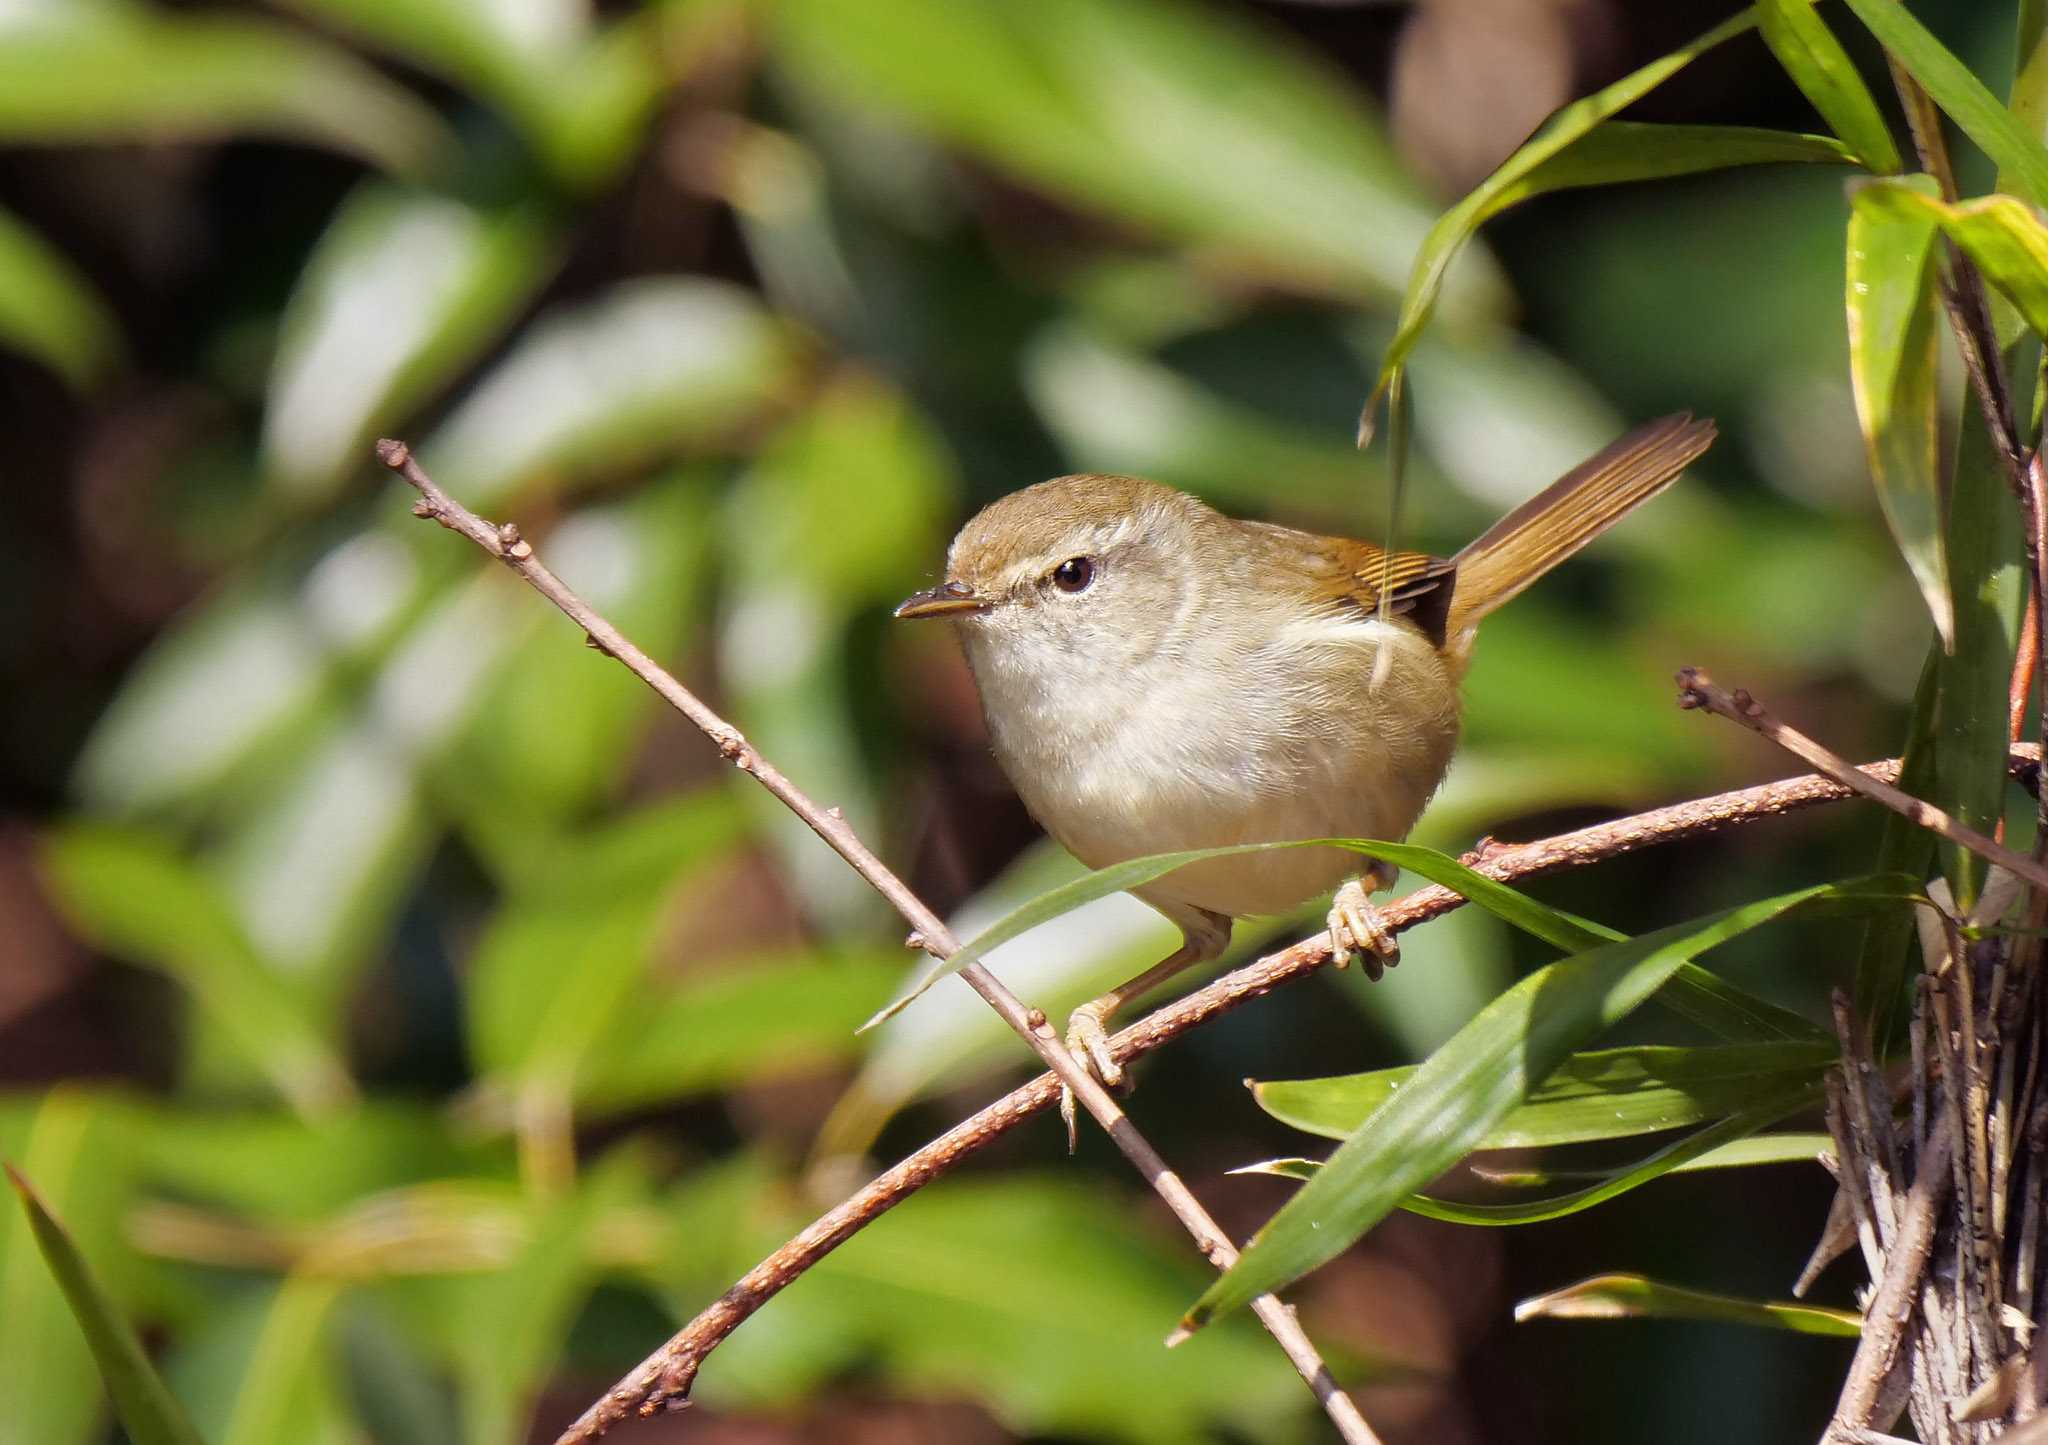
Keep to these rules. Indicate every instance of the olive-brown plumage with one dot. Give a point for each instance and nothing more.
(1157, 676)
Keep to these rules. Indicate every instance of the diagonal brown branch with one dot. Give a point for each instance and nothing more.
(659, 1383)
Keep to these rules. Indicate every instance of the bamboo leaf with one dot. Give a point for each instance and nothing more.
(1461, 1092)
(1550, 924)
(1697, 994)
(1828, 78)
(1891, 309)
(1996, 130)
(1748, 1153)
(1610, 154)
(148, 1411)
(1631, 1296)
(1606, 1094)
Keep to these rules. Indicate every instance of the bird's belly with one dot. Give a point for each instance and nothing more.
(1257, 766)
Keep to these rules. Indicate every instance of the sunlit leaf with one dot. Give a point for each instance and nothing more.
(148, 1412)
(1200, 125)
(756, 1019)
(655, 367)
(1959, 94)
(1828, 78)
(1703, 1148)
(135, 895)
(402, 290)
(1709, 1001)
(1631, 1296)
(76, 1149)
(92, 74)
(1464, 1089)
(48, 311)
(558, 734)
(1608, 1094)
(287, 1389)
(1757, 1149)
(550, 975)
(1608, 153)
(1892, 363)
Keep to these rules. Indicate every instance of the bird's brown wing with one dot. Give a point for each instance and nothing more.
(1413, 585)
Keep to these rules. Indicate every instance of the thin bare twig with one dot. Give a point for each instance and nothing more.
(663, 1381)
(1697, 690)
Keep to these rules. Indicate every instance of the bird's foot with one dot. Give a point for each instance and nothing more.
(1357, 928)
(1088, 1042)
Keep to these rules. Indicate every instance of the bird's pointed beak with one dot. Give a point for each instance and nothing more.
(948, 599)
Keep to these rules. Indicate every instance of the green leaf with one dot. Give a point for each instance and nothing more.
(1631, 1296)
(1748, 1153)
(133, 894)
(657, 366)
(1616, 1182)
(49, 311)
(1461, 1092)
(1545, 163)
(1829, 79)
(1204, 127)
(1497, 898)
(403, 289)
(1892, 309)
(148, 1412)
(552, 973)
(2002, 234)
(91, 74)
(1608, 1094)
(757, 1019)
(78, 1149)
(1971, 738)
(1710, 1001)
(1980, 114)
(287, 1389)
(1745, 1153)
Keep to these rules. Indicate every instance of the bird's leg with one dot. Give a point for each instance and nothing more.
(1356, 926)
(1204, 936)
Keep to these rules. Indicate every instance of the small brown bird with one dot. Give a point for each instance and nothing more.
(1157, 676)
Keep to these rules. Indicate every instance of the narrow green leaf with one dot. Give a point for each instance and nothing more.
(1470, 1084)
(1613, 153)
(1697, 994)
(1549, 924)
(1757, 1149)
(1667, 1160)
(48, 311)
(92, 74)
(1971, 730)
(1607, 1094)
(1632, 153)
(551, 975)
(1631, 1296)
(2002, 234)
(148, 1412)
(1747, 1153)
(1963, 97)
(1828, 78)
(1892, 309)
(1902, 847)
(132, 893)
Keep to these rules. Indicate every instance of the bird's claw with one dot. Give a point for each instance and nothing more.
(1088, 1042)
(1357, 928)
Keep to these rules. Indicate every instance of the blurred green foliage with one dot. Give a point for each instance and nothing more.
(489, 1027)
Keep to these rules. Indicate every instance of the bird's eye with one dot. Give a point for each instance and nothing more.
(1074, 574)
